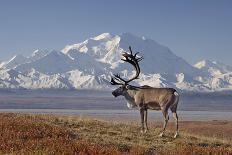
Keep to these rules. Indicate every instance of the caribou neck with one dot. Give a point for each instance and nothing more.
(129, 95)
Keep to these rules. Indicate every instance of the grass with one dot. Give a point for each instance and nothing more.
(47, 134)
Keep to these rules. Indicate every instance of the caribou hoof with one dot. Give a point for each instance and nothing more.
(143, 131)
(146, 130)
(176, 135)
(161, 135)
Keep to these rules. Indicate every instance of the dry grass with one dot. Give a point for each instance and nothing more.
(46, 134)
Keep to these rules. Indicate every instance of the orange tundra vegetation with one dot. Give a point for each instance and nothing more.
(47, 134)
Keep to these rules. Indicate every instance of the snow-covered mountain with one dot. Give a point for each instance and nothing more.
(220, 75)
(107, 48)
(213, 67)
(89, 64)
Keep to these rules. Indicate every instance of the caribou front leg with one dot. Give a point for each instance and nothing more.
(142, 119)
(145, 119)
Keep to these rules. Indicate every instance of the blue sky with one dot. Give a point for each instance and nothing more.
(192, 29)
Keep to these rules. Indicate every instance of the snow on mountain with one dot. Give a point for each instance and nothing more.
(89, 64)
(37, 54)
(103, 48)
(13, 62)
(86, 63)
(80, 80)
(220, 75)
(20, 59)
(10, 78)
(213, 67)
(55, 81)
(107, 48)
(52, 63)
(157, 58)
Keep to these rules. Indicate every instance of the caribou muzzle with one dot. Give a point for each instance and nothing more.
(115, 94)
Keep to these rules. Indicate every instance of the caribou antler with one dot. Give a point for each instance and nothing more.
(117, 78)
(113, 82)
(133, 60)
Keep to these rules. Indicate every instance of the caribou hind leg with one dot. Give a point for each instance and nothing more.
(175, 116)
(176, 122)
(166, 118)
(174, 113)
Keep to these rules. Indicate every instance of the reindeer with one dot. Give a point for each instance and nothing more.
(146, 97)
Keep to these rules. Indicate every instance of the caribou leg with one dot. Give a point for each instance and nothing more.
(142, 119)
(166, 118)
(145, 119)
(176, 122)
(173, 109)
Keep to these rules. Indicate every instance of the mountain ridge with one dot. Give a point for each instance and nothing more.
(89, 65)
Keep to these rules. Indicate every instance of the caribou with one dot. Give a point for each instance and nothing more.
(146, 97)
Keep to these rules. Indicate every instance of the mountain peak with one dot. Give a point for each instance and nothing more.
(39, 52)
(35, 52)
(125, 35)
(128, 35)
(103, 36)
(108, 35)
